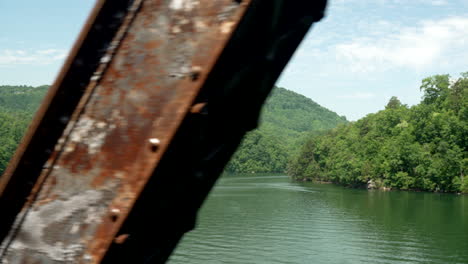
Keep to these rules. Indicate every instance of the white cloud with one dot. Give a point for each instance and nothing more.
(49, 51)
(411, 47)
(357, 95)
(11, 57)
(438, 2)
(391, 2)
(427, 2)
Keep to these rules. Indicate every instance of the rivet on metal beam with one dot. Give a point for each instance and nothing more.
(197, 108)
(88, 258)
(195, 73)
(155, 142)
(120, 239)
(115, 213)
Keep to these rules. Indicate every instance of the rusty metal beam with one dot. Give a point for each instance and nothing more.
(57, 107)
(145, 127)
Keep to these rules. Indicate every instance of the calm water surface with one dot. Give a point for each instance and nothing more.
(270, 219)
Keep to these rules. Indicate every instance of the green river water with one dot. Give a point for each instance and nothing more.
(271, 219)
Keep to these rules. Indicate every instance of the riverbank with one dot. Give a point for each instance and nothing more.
(371, 185)
(420, 147)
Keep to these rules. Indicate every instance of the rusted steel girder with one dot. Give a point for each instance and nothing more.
(150, 105)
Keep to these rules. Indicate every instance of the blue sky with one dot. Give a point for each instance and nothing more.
(352, 62)
(35, 37)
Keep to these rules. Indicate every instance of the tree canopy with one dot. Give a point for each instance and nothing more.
(423, 147)
(17, 107)
(287, 120)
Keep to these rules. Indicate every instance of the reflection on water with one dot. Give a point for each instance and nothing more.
(269, 219)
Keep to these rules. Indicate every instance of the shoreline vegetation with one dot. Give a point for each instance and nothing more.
(418, 148)
(380, 188)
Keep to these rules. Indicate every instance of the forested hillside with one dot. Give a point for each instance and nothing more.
(287, 120)
(17, 107)
(423, 147)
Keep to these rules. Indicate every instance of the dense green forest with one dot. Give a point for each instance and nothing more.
(17, 107)
(287, 120)
(423, 147)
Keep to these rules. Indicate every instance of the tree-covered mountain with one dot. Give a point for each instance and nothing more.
(423, 147)
(17, 107)
(287, 119)
(21, 98)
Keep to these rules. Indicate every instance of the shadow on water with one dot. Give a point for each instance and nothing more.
(270, 219)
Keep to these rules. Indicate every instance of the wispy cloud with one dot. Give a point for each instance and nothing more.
(392, 2)
(357, 95)
(426, 2)
(12, 57)
(439, 2)
(412, 47)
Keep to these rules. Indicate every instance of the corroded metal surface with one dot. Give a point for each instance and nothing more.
(133, 105)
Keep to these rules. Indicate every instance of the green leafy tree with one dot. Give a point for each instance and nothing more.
(423, 147)
(435, 88)
(17, 106)
(393, 103)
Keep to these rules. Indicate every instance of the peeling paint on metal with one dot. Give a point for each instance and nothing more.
(226, 27)
(89, 132)
(44, 226)
(185, 5)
